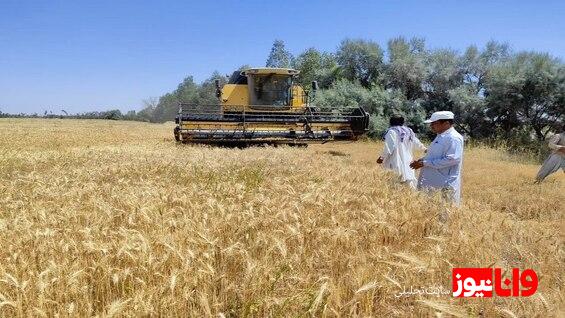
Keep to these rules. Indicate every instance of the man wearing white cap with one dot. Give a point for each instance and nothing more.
(441, 167)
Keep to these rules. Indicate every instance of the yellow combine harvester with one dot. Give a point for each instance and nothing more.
(266, 105)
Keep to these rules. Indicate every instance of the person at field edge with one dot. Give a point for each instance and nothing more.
(397, 152)
(441, 167)
(556, 159)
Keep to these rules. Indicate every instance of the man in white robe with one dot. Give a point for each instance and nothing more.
(441, 167)
(400, 141)
(556, 160)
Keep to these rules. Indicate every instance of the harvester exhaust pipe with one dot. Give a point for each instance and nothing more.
(218, 88)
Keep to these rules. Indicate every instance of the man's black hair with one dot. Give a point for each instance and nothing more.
(396, 120)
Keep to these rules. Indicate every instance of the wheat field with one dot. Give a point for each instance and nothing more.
(113, 219)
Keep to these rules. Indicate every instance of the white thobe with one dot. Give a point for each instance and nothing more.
(397, 155)
(442, 165)
(556, 160)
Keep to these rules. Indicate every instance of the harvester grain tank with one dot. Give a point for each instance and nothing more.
(267, 105)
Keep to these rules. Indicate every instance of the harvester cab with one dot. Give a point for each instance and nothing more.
(267, 105)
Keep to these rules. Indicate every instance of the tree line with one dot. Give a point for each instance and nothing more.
(493, 91)
(113, 114)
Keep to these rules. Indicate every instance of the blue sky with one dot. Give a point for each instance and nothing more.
(96, 55)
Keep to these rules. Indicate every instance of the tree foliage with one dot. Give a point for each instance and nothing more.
(316, 66)
(406, 69)
(360, 60)
(380, 103)
(279, 56)
(527, 89)
(494, 92)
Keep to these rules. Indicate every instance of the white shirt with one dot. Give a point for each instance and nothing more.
(442, 164)
(397, 154)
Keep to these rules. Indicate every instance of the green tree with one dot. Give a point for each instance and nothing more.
(406, 68)
(467, 99)
(528, 89)
(167, 108)
(316, 66)
(475, 65)
(360, 60)
(114, 114)
(379, 103)
(279, 56)
(470, 110)
(344, 93)
(308, 63)
(442, 74)
(396, 103)
(149, 105)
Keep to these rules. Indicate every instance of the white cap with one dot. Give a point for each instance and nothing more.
(444, 114)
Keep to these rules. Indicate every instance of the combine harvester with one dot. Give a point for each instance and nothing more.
(266, 106)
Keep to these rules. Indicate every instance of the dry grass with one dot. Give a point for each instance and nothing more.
(113, 218)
